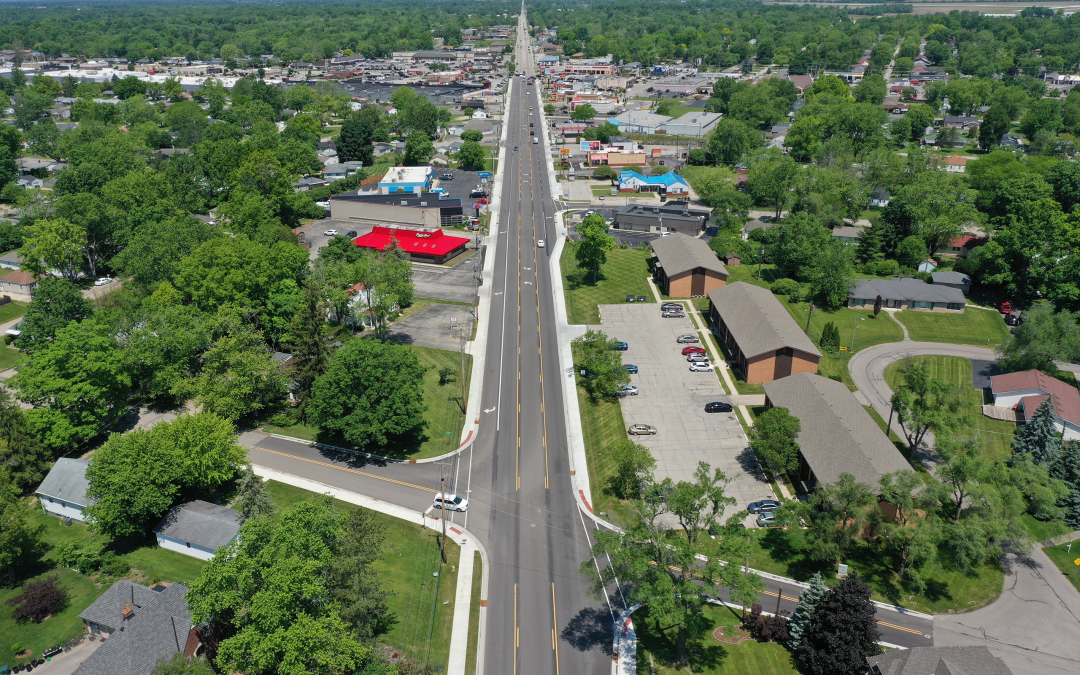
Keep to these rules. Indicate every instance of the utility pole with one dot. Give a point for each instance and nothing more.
(808, 317)
(442, 486)
(761, 256)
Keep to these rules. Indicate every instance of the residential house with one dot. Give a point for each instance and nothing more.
(19, 281)
(341, 170)
(11, 260)
(906, 294)
(880, 198)
(762, 338)
(309, 183)
(952, 279)
(928, 265)
(668, 217)
(1024, 391)
(956, 164)
(63, 492)
(837, 435)
(803, 83)
(847, 233)
(760, 223)
(1010, 141)
(669, 183)
(962, 246)
(971, 660)
(960, 122)
(198, 529)
(686, 267)
(141, 627)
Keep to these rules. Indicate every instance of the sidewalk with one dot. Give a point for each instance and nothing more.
(463, 597)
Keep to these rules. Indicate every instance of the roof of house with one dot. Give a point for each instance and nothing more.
(802, 82)
(972, 660)
(681, 253)
(757, 320)
(905, 289)
(968, 241)
(950, 277)
(200, 523)
(67, 481)
(956, 160)
(158, 628)
(20, 277)
(668, 179)
(838, 435)
(1066, 398)
(422, 240)
(847, 231)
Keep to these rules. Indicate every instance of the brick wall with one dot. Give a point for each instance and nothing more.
(679, 285)
(760, 368)
(804, 363)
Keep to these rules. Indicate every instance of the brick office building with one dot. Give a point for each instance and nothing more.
(686, 267)
(759, 334)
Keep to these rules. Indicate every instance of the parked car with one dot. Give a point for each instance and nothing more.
(325, 205)
(630, 368)
(693, 349)
(700, 367)
(539, 243)
(641, 430)
(766, 520)
(664, 234)
(330, 233)
(482, 200)
(686, 338)
(1006, 308)
(763, 506)
(718, 406)
(102, 281)
(450, 501)
(1014, 319)
(477, 193)
(627, 390)
(447, 176)
(672, 305)
(619, 346)
(672, 314)
(350, 234)
(697, 358)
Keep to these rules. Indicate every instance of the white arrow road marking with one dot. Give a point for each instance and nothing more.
(487, 410)
(499, 293)
(527, 268)
(528, 283)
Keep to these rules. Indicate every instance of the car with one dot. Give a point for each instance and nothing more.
(103, 280)
(1006, 308)
(1014, 319)
(601, 197)
(532, 133)
(686, 338)
(540, 243)
(619, 346)
(661, 162)
(447, 176)
(692, 358)
(763, 506)
(530, 124)
(766, 520)
(664, 234)
(630, 368)
(693, 349)
(530, 107)
(330, 233)
(450, 502)
(482, 200)
(641, 430)
(672, 314)
(700, 367)
(325, 205)
(718, 406)
(672, 305)
(350, 234)
(627, 390)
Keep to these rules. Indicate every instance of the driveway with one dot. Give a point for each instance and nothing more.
(673, 399)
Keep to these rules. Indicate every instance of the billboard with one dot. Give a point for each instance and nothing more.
(589, 146)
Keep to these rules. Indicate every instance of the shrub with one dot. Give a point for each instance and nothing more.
(17, 649)
(830, 337)
(85, 558)
(766, 628)
(882, 268)
(114, 565)
(784, 286)
(39, 600)
(447, 375)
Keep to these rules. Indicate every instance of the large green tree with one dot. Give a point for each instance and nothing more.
(924, 403)
(56, 244)
(1045, 336)
(604, 370)
(773, 439)
(56, 303)
(590, 251)
(843, 632)
(354, 144)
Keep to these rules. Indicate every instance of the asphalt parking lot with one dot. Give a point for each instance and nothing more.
(673, 399)
(436, 326)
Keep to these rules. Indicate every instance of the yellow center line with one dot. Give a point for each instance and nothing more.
(516, 641)
(554, 631)
(907, 630)
(341, 468)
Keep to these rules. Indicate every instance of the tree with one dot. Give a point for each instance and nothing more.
(911, 252)
(603, 366)
(129, 86)
(39, 600)
(372, 394)
(44, 139)
(924, 403)
(18, 539)
(831, 284)
(633, 468)
(311, 341)
(602, 133)
(1064, 178)
(418, 147)
(605, 172)
(871, 89)
(25, 460)
(809, 599)
(1038, 440)
(797, 240)
(843, 632)
(354, 583)
(732, 139)
(252, 499)
(30, 107)
(836, 514)
(56, 244)
(591, 250)
(354, 144)
(1043, 337)
(907, 533)
(56, 303)
(583, 113)
(179, 664)
(471, 155)
(919, 117)
(236, 271)
(773, 439)
(994, 125)
(1067, 470)
(769, 179)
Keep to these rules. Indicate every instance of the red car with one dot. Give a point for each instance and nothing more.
(482, 201)
(1006, 308)
(693, 350)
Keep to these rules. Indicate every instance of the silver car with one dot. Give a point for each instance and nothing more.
(686, 338)
(697, 358)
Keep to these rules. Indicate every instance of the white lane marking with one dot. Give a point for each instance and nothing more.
(488, 410)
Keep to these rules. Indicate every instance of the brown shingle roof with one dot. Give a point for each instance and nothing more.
(20, 277)
(1066, 399)
(757, 320)
(679, 253)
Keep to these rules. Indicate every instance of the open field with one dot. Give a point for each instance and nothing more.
(624, 273)
(978, 327)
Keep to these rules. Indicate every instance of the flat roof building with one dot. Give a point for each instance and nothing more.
(409, 179)
(423, 210)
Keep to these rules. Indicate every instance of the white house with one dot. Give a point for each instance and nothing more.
(198, 529)
(63, 492)
(1026, 390)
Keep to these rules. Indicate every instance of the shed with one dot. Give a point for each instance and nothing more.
(198, 528)
(63, 492)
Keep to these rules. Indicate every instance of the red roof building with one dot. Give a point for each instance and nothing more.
(422, 244)
(962, 246)
(1026, 390)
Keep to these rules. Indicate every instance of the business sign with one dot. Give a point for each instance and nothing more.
(484, 174)
(564, 151)
(588, 146)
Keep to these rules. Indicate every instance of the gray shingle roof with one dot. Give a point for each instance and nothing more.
(939, 661)
(838, 435)
(757, 320)
(905, 289)
(67, 482)
(950, 278)
(680, 253)
(200, 523)
(158, 629)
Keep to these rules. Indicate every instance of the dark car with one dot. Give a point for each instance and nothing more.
(477, 193)
(718, 406)
(619, 346)
(763, 506)
(632, 369)
(672, 305)
(1014, 319)
(350, 233)
(515, 147)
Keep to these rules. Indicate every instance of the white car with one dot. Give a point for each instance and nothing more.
(103, 281)
(450, 502)
(539, 243)
(325, 205)
(665, 234)
(701, 367)
(627, 390)
(330, 233)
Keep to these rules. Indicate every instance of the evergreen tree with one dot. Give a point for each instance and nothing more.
(809, 600)
(830, 337)
(1066, 468)
(252, 501)
(311, 341)
(1039, 440)
(23, 455)
(871, 242)
(842, 634)
(354, 144)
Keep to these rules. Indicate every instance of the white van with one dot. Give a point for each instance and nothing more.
(450, 501)
(535, 141)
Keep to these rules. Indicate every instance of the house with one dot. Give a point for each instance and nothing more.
(972, 660)
(880, 198)
(341, 170)
(762, 338)
(410, 179)
(639, 122)
(1010, 141)
(956, 164)
(927, 266)
(837, 435)
(959, 122)
(11, 260)
(763, 223)
(803, 83)
(423, 210)
(20, 281)
(670, 183)
(696, 124)
(141, 626)
(198, 529)
(422, 244)
(309, 183)
(847, 233)
(1025, 390)
(686, 267)
(952, 279)
(960, 246)
(668, 217)
(63, 492)
(906, 294)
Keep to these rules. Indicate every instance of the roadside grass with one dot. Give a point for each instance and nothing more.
(995, 436)
(474, 615)
(706, 655)
(445, 414)
(623, 274)
(1043, 530)
(979, 327)
(422, 625)
(1061, 555)
(57, 629)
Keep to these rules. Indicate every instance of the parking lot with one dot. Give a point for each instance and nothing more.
(435, 326)
(673, 399)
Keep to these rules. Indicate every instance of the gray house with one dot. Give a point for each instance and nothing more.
(904, 293)
(957, 280)
(63, 492)
(198, 529)
(937, 661)
(838, 435)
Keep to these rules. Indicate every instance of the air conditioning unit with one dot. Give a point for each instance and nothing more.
(656, 209)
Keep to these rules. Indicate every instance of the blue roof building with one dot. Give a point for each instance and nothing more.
(670, 183)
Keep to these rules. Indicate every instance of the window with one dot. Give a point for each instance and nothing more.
(921, 304)
(856, 302)
(956, 306)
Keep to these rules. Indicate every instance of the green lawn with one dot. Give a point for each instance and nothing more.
(474, 615)
(1043, 530)
(82, 591)
(602, 426)
(624, 273)
(994, 435)
(974, 327)
(9, 357)
(1062, 555)
(706, 655)
(12, 310)
(422, 622)
(445, 414)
